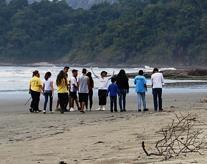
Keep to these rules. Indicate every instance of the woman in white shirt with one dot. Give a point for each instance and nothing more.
(48, 90)
(102, 90)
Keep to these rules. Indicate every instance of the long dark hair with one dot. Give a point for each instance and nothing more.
(47, 75)
(90, 79)
(122, 75)
(61, 76)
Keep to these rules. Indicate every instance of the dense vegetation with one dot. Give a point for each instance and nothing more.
(166, 32)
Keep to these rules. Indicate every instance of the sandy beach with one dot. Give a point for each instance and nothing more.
(94, 137)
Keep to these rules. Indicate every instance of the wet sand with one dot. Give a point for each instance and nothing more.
(98, 137)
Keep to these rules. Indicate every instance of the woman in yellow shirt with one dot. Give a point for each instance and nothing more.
(62, 89)
(35, 88)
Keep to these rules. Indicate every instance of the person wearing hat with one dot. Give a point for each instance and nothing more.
(74, 90)
(35, 88)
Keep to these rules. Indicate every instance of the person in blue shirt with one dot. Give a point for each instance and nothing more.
(113, 92)
(141, 88)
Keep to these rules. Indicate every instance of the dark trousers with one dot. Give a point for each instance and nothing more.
(48, 94)
(157, 95)
(122, 99)
(90, 99)
(35, 100)
(63, 99)
(113, 103)
(102, 95)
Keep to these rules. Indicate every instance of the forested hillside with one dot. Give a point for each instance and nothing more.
(165, 32)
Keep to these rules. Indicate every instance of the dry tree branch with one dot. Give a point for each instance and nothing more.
(178, 138)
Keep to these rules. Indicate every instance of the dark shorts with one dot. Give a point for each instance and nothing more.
(73, 95)
(83, 97)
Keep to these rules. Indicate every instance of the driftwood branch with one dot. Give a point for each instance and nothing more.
(179, 137)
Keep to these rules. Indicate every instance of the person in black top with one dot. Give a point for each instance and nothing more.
(90, 94)
(123, 84)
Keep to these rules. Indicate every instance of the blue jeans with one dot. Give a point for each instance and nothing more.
(157, 95)
(48, 94)
(122, 99)
(141, 100)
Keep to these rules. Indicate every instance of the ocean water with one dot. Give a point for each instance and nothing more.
(15, 79)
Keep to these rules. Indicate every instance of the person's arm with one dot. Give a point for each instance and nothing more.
(43, 87)
(96, 76)
(88, 83)
(40, 85)
(162, 78)
(152, 81)
(109, 88)
(145, 84)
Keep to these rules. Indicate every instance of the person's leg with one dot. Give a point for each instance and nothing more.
(154, 92)
(120, 102)
(115, 103)
(85, 100)
(160, 98)
(51, 101)
(32, 102)
(139, 99)
(71, 100)
(91, 99)
(58, 104)
(124, 100)
(86, 104)
(111, 103)
(144, 101)
(61, 101)
(36, 101)
(46, 100)
(104, 99)
(101, 99)
(77, 103)
(65, 101)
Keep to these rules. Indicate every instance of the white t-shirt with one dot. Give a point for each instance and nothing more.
(73, 81)
(104, 82)
(47, 85)
(157, 80)
(83, 84)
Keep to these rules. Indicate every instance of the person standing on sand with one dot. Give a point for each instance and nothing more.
(157, 83)
(90, 93)
(35, 88)
(73, 90)
(123, 83)
(83, 89)
(62, 89)
(65, 69)
(113, 91)
(102, 90)
(141, 88)
(48, 91)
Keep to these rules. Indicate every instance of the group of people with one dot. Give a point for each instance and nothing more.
(67, 90)
(79, 90)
